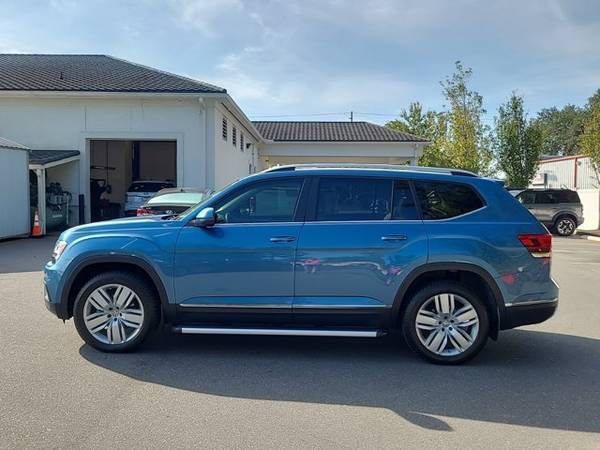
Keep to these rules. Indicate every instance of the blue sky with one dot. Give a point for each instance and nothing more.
(297, 59)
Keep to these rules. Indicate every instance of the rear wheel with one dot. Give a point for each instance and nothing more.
(114, 311)
(446, 323)
(565, 226)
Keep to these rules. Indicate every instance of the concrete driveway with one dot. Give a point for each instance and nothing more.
(537, 387)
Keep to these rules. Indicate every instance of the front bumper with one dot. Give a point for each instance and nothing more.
(528, 313)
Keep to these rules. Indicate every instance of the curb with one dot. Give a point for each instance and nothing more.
(590, 237)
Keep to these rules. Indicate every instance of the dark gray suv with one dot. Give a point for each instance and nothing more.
(559, 209)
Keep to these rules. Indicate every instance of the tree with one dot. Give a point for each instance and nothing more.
(590, 138)
(561, 129)
(467, 142)
(518, 143)
(414, 121)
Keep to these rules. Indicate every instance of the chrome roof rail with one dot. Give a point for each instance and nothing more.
(441, 170)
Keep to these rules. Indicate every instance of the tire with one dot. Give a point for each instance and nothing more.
(565, 226)
(448, 336)
(120, 310)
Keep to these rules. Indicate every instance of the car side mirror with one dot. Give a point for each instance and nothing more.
(206, 218)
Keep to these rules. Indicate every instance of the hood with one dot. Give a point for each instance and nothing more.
(120, 225)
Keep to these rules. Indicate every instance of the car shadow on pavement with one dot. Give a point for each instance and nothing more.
(528, 378)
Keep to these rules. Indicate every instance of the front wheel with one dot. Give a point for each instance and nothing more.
(446, 323)
(114, 311)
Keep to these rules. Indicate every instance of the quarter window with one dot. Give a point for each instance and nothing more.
(441, 200)
(349, 199)
(272, 201)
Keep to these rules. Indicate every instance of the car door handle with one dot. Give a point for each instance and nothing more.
(393, 238)
(282, 239)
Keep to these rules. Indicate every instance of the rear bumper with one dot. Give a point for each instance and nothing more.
(528, 313)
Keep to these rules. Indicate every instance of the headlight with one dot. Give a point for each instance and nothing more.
(59, 248)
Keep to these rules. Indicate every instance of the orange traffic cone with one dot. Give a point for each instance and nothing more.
(36, 231)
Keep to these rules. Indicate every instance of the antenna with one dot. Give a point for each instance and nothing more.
(351, 116)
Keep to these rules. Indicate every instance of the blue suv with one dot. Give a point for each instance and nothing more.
(445, 257)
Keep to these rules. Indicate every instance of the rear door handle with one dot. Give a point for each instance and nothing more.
(282, 239)
(393, 238)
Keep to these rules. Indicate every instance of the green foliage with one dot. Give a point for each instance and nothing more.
(590, 138)
(458, 137)
(518, 143)
(561, 129)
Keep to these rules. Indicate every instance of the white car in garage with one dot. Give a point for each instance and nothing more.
(140, 192)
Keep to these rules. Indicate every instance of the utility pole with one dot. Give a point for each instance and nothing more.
(351, 116)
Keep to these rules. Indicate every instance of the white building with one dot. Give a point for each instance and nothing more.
(116, 122)
(577, 173)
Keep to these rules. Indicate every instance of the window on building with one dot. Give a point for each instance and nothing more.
(241, 141)
(224, 128)
(349, 199)
(440, 200)
(234, 136)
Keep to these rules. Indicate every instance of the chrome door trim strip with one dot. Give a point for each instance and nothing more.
(237, 305)
(279, 332)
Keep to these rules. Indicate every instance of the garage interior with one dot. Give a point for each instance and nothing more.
(115, 164)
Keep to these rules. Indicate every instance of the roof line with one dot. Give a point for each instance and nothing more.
(201, 83)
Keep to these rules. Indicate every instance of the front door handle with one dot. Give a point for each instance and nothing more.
(393, 238)
(282, 239)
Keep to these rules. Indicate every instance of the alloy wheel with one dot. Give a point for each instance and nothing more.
(113, 314)
(447, 324)
(565, 227)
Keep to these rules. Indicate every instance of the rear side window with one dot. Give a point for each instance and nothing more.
(404, 207)
(148, 187)
(440, 200)
(346, 199)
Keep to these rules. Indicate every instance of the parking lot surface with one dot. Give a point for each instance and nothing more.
(537, 387)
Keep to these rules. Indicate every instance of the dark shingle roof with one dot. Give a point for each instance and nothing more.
(90, 73)
(331, 132)
(42, 157)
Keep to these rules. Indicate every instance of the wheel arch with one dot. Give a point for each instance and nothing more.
(560, 214)
(483, 281)
(97, 264)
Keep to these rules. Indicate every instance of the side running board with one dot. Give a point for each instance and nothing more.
(278, 331)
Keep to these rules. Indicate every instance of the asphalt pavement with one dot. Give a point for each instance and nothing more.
(536, 387)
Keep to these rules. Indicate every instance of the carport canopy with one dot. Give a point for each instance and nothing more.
(39, 161)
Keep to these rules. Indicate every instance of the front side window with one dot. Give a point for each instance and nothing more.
(350, 199)
(272, 201)
(441, 200)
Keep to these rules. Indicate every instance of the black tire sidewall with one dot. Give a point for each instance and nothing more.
(137, 285)
(420, 297)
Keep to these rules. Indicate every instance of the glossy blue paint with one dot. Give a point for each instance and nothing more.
(324, 272)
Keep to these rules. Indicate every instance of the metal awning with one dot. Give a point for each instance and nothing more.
(43, 159)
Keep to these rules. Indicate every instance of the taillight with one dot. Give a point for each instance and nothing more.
(539, 245)
(142, 212)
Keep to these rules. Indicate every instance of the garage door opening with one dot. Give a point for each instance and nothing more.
(118, 165)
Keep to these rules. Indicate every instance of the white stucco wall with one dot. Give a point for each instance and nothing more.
(14, 192)
(231, 163)
(274, 153)
(69, 122)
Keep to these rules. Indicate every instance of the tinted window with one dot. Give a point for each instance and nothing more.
(273, 201)
(527, 197)
(440, 200)
(148, 187)
(404, 207)
(545, 198)
(353, 199)
(567, 196)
